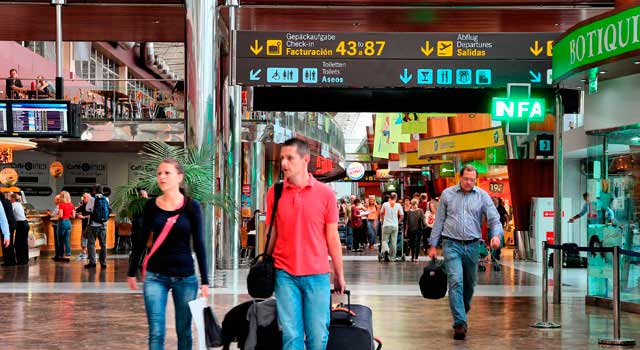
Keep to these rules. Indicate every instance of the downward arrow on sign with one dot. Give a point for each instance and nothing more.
(406, 77)
(536, 49)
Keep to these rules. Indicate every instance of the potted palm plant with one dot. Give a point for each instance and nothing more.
(199, 183)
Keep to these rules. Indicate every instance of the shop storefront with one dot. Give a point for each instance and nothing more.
(602, 56)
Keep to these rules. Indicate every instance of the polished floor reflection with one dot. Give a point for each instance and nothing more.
(63, 306)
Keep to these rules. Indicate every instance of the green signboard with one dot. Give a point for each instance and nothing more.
(496, 155)
(480, 165)
(447, 170)
(510, 109)
(596, 42)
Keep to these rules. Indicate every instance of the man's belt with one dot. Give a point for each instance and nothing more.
(470, 241)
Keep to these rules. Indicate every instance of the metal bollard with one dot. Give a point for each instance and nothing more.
(545, 291)
(616, 306)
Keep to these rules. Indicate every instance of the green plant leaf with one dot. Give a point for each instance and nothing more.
(198, 164)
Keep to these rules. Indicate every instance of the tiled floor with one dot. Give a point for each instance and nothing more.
(62, 306)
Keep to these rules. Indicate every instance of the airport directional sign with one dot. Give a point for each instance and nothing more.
(392, 73)
(402, 46)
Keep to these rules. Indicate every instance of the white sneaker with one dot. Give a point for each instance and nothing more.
(82, 256)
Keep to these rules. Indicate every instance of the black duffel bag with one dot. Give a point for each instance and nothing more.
(261, 280)
(433, 282)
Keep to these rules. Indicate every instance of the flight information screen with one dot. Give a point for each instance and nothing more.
(40, 118)
(3, 118)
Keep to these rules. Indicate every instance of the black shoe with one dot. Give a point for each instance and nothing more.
(55, 258)
(90, 266)
(104, 266)
(8, 264)
(359, 250)
(459, 332)
(386, 257)
(63, 259)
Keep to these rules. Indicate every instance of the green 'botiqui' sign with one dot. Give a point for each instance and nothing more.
(596, 42)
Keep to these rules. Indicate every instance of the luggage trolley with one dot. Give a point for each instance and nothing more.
(487, 256)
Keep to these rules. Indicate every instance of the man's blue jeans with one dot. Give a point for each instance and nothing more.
(349, 239)
(303, 308)
(461, 264)
(183, 290)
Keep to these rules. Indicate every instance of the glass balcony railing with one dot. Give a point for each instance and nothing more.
(108, 99)
(319, 126)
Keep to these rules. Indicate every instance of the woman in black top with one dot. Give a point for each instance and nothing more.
(171, 266)
(414, 221)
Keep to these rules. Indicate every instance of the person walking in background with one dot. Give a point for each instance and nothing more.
(391, 214)
(414, 228)
(349, 239)
(305, 233)
(171, 268)
(22, 230)
(357, 226)
(8, 251)
(372, 219)
(66, 211)
(427, 206)
(83, 214)
(459, 222)
(98, 206)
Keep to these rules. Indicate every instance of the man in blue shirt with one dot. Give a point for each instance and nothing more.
(459, 222)
(5, 233)
(587, 209)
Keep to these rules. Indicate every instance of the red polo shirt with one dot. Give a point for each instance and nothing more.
(301, 246)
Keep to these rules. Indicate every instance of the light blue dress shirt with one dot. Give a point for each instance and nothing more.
(459, 215)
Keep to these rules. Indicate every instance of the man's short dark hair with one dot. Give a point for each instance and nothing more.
(13, 70)
(98, 188)
(393, 196)
(301, 146)
(468, 167)
(585, 195)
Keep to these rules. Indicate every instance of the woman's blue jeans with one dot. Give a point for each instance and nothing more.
(183, 290)
(373, 230)
(303, 308)
(64, 237)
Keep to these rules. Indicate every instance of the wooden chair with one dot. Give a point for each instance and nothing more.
(124, 235)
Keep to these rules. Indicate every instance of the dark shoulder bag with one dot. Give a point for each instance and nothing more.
(261, 280)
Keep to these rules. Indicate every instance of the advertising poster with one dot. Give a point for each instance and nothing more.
(414, 123)
(383, 144)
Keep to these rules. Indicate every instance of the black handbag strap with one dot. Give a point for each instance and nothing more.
(277, 189)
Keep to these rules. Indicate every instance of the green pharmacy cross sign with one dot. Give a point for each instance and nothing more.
(512, 109)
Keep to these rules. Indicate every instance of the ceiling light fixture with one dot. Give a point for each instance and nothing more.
(603, 72)
(156, 22)
(636, 62)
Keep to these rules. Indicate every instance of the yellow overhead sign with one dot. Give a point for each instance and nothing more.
(411, 159)
(461, 142)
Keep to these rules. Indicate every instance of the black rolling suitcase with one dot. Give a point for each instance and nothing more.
(352, 328)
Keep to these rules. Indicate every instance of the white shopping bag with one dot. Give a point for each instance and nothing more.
(197, 306)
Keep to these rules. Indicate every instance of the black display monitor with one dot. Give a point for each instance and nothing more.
(40, 118)
(4, 124)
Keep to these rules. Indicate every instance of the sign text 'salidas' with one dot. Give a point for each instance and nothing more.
(468, 45)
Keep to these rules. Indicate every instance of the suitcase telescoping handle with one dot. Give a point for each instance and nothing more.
(348, 309)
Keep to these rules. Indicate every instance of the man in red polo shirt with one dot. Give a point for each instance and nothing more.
(306, 233)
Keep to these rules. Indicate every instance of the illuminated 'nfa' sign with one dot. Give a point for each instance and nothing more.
(507, 109)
